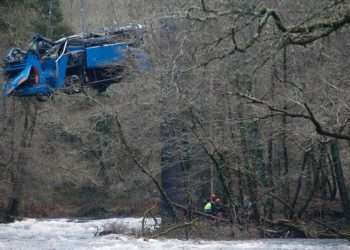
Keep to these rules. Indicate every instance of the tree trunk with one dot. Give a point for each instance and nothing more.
(286, 190)
(171, 169)
(249, 171)
(333, 183)
(285, 173)
(315, 180)
(299, 185)
(338, 169)
(18, 167)
(269, 170)
(324, 181)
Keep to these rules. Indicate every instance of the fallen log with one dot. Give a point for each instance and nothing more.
(289, 228)
(286, 227)
(174, 228)
(332, 230)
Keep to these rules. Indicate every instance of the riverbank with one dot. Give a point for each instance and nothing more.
(64, 234)
(273, 229)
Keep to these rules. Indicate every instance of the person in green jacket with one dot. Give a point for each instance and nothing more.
(208, 207)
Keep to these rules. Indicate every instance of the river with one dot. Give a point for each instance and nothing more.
(65, 234)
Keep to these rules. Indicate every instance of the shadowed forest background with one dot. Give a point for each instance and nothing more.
(247, 99)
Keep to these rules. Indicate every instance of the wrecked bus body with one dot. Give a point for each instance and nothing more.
(71, 63)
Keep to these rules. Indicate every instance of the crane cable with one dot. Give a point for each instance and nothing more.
(50, 26)
(82, 18)
(115, 14)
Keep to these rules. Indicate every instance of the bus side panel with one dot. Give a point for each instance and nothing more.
(102, 56)
(61, 68)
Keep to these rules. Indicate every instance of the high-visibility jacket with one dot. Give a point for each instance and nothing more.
(208, 207)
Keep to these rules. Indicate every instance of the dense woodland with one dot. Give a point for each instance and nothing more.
(245, 99)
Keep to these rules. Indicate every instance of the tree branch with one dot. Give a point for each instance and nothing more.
(310, 117)
(132, 155)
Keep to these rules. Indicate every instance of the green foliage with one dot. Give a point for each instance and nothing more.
(50, 21)
(41, 16)
(11, 3)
